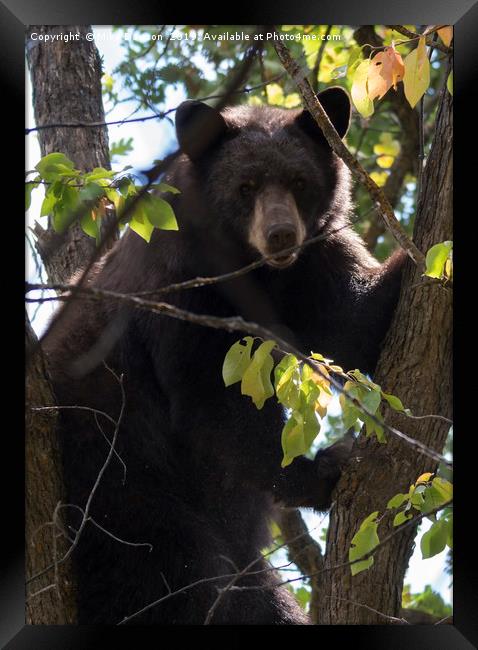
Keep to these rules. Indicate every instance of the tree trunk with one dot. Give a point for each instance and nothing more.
(415, 365)
(66, 80)
(50, 598)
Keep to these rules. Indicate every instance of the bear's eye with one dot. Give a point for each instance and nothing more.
(247, 188)
(299, 184)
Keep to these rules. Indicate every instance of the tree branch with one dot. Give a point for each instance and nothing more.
(315, 108)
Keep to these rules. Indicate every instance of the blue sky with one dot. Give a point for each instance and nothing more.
(152, 140)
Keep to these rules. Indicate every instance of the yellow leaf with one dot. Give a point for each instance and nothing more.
(385, 161)
(386, 69)
(379, 178)
(446, 34)
(275, 94)
(424, 478)
(359, 92)
(417, 73)
(387, 146)
(292, 101)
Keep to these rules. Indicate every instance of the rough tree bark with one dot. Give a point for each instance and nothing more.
(66, 81)
(43, 491)
(416, 365)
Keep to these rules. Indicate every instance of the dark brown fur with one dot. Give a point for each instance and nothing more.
(203, 464)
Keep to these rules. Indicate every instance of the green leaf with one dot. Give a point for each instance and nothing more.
(354, 60)
(29, 187)
(370, 399)
(287, 381)
(393, 401)
(292, 438)
(372, 427)
(51, 165)
(140, 224)
(302, 596)
(436, 258)
(439, 492)
(364, 541)
(256, 380)
(359, 92)
(449, 83)
(164, 187)
(417, 73)
(236, 361)
(444, 488)
(159, 212)
(99, 173)
(126, 186)
(401, 517)
(90, 225)
(449, 538)
(396, 501)
(91, 192)
(121, 147)
(298, 434)
(434, 540)
(64, 210)
(48, 202)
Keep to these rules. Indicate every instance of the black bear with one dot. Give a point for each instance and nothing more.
(196, 470)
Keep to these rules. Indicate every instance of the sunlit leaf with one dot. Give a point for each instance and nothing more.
(417, 73)
(449, 83)
(359, 91)
(434, 540)
(401, 517)
(436, 258)
(256, 381)
(385, 161)
(159, 212)
(396, 501)
(386, 70)
(237, 360)
(446, 34)
(364, 541)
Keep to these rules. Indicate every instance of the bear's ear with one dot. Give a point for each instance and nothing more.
(336, 103)
(198, 127)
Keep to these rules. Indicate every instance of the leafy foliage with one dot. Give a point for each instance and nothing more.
(373, 77)
(305, 391)
(72, 195)
(428, 601)
(428, 493)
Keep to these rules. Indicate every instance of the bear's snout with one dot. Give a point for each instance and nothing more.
(276, 226)
(280, 237)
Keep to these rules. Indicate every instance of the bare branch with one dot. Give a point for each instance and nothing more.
(238, 324)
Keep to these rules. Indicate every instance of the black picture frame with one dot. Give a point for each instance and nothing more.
(15, 15)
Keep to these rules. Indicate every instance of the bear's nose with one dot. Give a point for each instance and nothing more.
(280, 237)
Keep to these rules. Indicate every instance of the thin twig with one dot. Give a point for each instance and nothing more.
(429, 41)
(202, 581)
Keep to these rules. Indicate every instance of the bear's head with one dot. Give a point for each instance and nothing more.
(267, 175)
